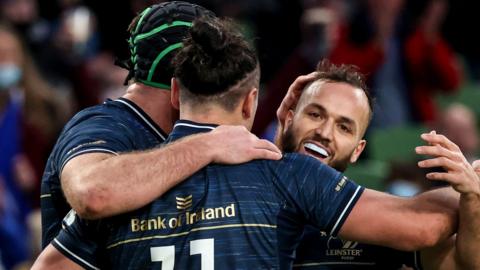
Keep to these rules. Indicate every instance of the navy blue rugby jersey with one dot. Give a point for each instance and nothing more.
(319, 251)
(222, 217)
(112, 127)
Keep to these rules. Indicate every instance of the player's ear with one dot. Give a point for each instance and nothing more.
(174, 95)
(282, 128)
(358, 150)
(288, 120)
(249, 107)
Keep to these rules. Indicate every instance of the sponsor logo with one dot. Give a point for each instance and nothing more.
(344, 249)
(69, 218)
(188, 217)
(341, 184)
(184, 202)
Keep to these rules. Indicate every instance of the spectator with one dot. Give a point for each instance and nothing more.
(30, 118)
(24, 16)
(403, 72)
(374, 44)
(74, 41)
(459, 124)
(432, 65)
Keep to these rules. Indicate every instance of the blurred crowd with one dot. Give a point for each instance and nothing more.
(56, 57)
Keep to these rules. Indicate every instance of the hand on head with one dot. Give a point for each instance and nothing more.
(290, 100)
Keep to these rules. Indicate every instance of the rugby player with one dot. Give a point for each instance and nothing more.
(329, 123)
(225, 216)
(106, 160)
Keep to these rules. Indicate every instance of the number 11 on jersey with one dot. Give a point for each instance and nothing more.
(166, 254)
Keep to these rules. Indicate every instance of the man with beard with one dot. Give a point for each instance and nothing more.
(329, 123)
(257, 191)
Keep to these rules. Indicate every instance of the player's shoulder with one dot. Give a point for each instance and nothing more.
(298, 161)
(106, 114)
(294, 164)
(297, 157)
(104, 111)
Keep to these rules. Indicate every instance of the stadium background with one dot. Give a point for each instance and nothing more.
(421, 58)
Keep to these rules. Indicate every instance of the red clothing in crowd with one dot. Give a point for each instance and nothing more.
(432, 67)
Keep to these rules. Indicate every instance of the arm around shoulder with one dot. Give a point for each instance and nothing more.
(99, 185)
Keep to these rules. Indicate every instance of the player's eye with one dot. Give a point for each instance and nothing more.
(345, 128)
(314, 115)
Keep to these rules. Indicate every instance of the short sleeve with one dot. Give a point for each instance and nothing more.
(77, 240)
(323, 195)
(98, 133)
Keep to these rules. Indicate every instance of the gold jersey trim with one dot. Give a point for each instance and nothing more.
(192, 230)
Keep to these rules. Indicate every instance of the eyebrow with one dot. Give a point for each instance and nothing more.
(341, 119)
(347, 121)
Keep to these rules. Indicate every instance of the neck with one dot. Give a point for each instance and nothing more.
(155, 102)
(211, 115)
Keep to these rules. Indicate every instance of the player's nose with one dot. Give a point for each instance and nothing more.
(325, 130)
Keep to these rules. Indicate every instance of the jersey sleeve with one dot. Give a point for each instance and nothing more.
(77, 240)
(98, 133)
(410, 259)
(323, 195)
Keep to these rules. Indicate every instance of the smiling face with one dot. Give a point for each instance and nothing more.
(328, 124)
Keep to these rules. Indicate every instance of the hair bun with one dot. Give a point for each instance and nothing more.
(208, 36)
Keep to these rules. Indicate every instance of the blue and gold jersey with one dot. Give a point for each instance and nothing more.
(222, 217)
(320, 251)
(112, 127)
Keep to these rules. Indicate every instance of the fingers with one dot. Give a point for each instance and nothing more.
(288, 103)
(293, 94)
(235, 145)
(264, 149)
(433, 139)
(267, 145)
(459, 173)
(444, 162)
(300, 82)
(435, 150)
(265, 154)
(441, 176)
(476, 165)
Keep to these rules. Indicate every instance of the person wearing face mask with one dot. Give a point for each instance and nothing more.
(29, 120)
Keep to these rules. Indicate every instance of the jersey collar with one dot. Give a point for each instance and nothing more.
(143, 117)
(184, 128)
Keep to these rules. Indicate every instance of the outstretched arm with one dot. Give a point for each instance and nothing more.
(402, 223)
(460, 252)
(98, 185)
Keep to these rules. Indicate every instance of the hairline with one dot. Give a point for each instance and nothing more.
(309, 90)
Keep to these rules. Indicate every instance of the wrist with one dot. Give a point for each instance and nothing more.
(473, 195)
(208, 146)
